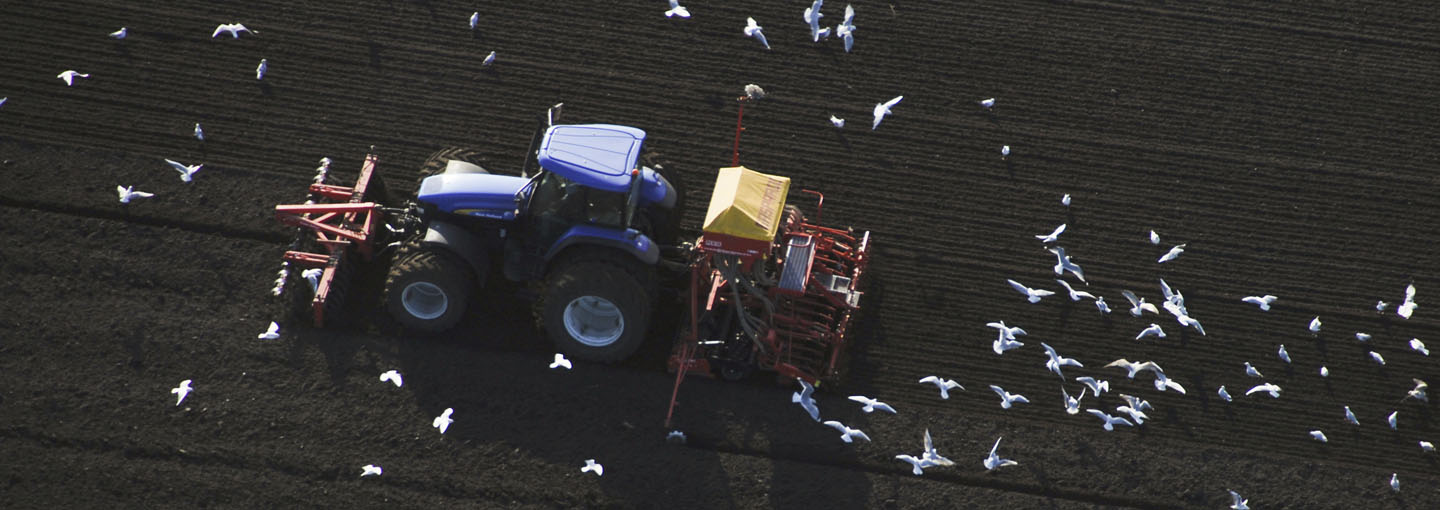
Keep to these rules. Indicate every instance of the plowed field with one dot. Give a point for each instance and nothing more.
(1291, 146)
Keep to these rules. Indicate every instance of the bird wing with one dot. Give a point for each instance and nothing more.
(1000, 391)
(1134, 301)
(883, 407)
(836, 425)
(893, 102)
(1049, 350)
(218, 29)
(1102, 414)
(997, 445)
(849, 14)
(862, 399)
(931, 379)
(1019, 287)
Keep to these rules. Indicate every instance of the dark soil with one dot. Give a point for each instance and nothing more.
(1291, 147)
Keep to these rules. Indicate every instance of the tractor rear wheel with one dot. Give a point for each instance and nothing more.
(427, 291)
(438, 162)
(595, 310)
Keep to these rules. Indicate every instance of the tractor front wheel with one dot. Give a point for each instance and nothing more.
(595, 311)
(427, 291)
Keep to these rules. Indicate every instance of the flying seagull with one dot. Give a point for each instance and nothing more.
(872, 404)
(1008, 399)
(1132, 368)
(1378, 359)
(883, 109)
(1154, 238)
(1052, 236)
(1419, 393)
(128, 192)
(1101, 305)
(1315, 324)
(475, 17)
(443, 421)
(1261, 301)
(1163, 381)
(394, 377)
(1390, 420)
(675, 436)
(1056, 361)
(593, 467)
(754, 30)
(187, 172)
(199, 133)
(1138, 306)
(182, 390)
(489, 60)
(1284, 356)
(846, 29)
(1324, 372)
(945, 385)
(1004, 152)
(1363, 337)
(312, 276)
(1395, 482)
(1427, 446)
(837, 122)
(1154, 330)
(371, 469)
(1137, 403)
(1270, 388)
(1408, 307)
(1381, 305)
(1006, 332)
(812, 16)
(1237, 502)
(120, 34)
(1032, 295)
(987, 103)
(847, 434)
(1096, 387)
(1251, 371)
(806, 398)
(560, 361)
(1065, 200)
(1350, 416)
(69, 77)
(260, 69)
(994, 461)
(1419, 346)
(1224, 395)
(1170, 255)
(233, 29)
(1110, 421)
(917, 465)
(1319, 436)
(1063, 264)
(1072, 404)
(931, 455)
(271, 333)
(1135, 414)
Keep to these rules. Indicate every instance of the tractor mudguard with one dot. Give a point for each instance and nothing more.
(629, 241)
(463, 244)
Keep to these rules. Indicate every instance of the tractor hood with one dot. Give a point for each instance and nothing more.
(481, 195)
(595, 155)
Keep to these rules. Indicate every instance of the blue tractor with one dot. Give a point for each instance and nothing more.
(587, 218)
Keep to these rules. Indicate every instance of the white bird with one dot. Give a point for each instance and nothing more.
(187, 172)
(1170, 255)
(1056, 361)
(128, 193)
(754, 92)
(675, 436)
(1363, 337)
(1163, 381)
(593, 467)
(1378, 359)
(260, 69)
(1408, 307)
(1053, 235)
(475, 17)
(1270, 388)
(1315, 324)
(987, 103)
(1000, 345)
(1381, 305)
(1154, 238)
(1006, 332)
(872, 404)
(1395, 482)
(1427, 446)
(1101, 305)
(994, 461)
(1154, 329)
(1110, 421)
(1419, 346)
(1138, 416)
(69, 77)
(754, 30)
(489, 60)
(931, 455)
(812, 16)
(1251, 371)
(883, 109)
(1132, 368)
(371, 469)
(1008, 399)
(1391, 420)
(1237, 502)
(120, 34)
(1072, 404)
(199, 133)
(233, 29)
(1004, 152)
(1284, 356)
(917, 466)
(3, 100)
(1096, 387)
(1032, 295)
(1262, 301)
(1319, 436)
(393, 377)
(1138, 306)
(1137, 403)
(1224, 395)
(312, 276)
(806, 398)
(182, 390)
(1350, 417)
(1324, 372)
(271, 333)
(846, 29)
(945, 385)
(837, 122)
(1065, 200)
(560, 361)
(443, 421)
(847, 434)
(1063, 263)
(1419, 393)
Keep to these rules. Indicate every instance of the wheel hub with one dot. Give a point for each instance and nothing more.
(594, 321)
(424, 300)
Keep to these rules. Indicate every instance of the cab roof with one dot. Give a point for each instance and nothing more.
(595, 155)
